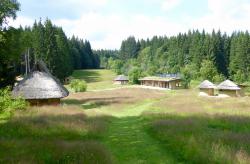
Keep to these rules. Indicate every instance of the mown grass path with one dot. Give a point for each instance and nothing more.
(126, 135)
(129, 142)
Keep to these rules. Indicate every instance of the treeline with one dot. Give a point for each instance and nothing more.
(105, 56)
(203, 55)
(43, 41)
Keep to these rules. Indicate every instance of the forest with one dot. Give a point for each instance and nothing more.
(43, 41)
(214, 56)
(196, 54)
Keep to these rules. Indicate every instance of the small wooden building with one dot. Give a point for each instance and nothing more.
(207, 88)
(40, 88)
(161, 82)
(229, 88)
(121, 79)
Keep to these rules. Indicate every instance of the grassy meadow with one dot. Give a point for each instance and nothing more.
(96, 79)
(129, 125)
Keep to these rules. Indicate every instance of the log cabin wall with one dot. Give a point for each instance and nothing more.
(162, 84)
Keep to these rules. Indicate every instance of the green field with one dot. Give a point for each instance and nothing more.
(129, 125)
(97, 79)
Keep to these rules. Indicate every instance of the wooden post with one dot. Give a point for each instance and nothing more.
(28, 60)
(26, 67)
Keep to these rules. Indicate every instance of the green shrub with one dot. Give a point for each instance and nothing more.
(240, 76)
(78, 85)
(8, 104)
(186, 77)
(134, 74)
(208, 70)
(218, 78)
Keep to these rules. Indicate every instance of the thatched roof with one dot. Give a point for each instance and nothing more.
(121, 78)
(228, 85)
(40, 84)
(206, 85)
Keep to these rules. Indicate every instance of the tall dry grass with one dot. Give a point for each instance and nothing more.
(53, 135)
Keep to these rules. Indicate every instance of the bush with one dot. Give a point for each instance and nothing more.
(239, 77)
(134, 74)
(186, 77)
(78, 85)
(8, 104)
(208, 70)
(218, 78)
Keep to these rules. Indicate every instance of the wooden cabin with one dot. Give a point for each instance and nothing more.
(121, 79)
(207, 88)
(229, 88)
(161, 82)
(40, 87)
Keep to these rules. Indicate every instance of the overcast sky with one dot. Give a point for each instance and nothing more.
(105, 23)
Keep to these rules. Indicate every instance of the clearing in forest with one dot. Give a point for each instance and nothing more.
(129, 125)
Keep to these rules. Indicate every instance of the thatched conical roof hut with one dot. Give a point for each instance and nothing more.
(229, 88)
(207, 88)
(228, 85)
(40, 87)
(206, 85)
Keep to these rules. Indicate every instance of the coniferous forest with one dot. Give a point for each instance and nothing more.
(200, 55)
(214, 56)
(43, 41)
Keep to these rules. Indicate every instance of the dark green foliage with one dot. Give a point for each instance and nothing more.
(229, 56)
(129, 48)
(82, 54)
(8, 9)
(63, 63)
(45, 42)
(9, 42)
(240, 56)
(10, 51)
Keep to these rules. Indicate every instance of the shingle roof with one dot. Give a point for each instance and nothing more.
(228, 85)
(121, 78)
(206, 85)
